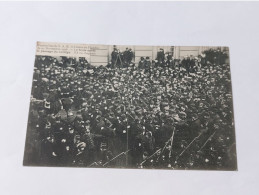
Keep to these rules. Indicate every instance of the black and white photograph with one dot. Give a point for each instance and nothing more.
(141, 107)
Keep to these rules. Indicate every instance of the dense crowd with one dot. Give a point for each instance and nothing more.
(162, 113)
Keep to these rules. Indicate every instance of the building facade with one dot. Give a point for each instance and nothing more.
(102, 54)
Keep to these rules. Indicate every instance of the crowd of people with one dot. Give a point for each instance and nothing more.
(161, 113)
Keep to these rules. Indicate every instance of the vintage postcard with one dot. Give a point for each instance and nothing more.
(151, 107)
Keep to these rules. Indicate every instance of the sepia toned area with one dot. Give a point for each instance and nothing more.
(131, 107)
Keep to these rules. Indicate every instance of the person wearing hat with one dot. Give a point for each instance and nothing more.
(130, 56)
(170, 62)
(147, 64)
(92, 142)
(114, 55)
(126, 56)
(141, 63)
(160, 57)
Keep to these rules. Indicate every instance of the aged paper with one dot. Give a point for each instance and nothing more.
(132, 106)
